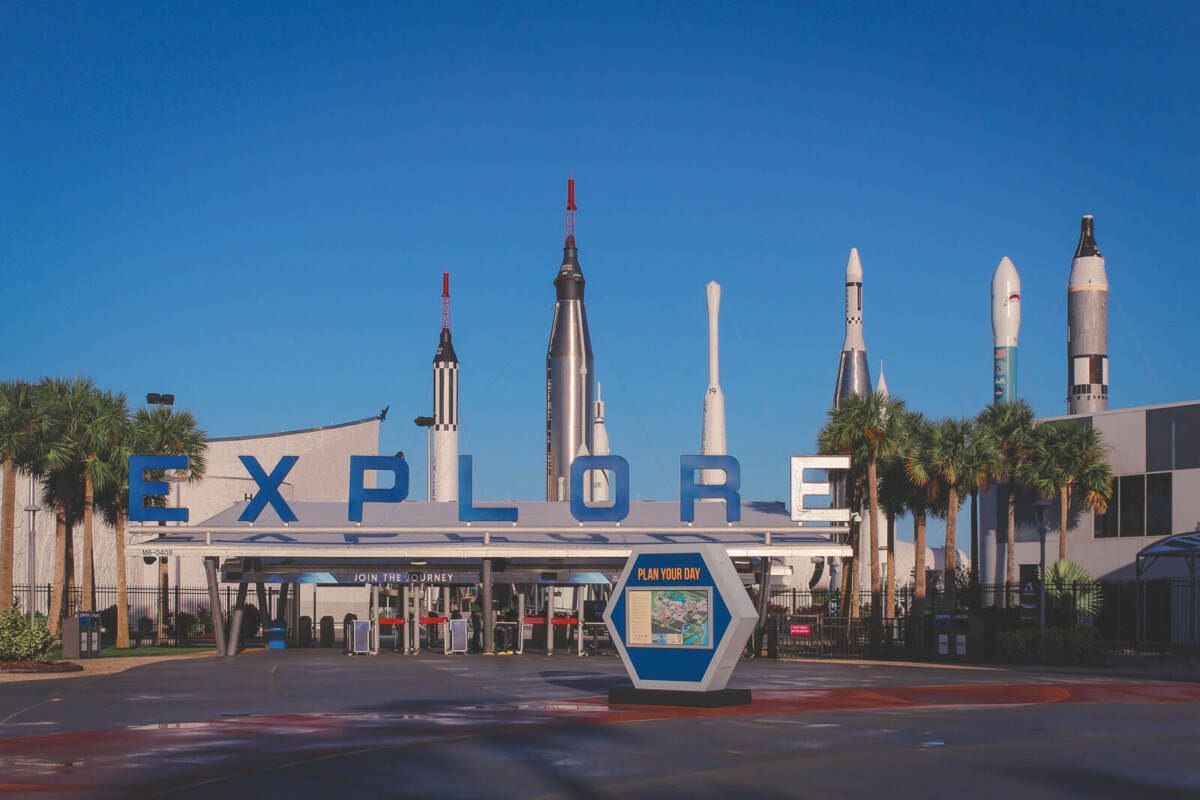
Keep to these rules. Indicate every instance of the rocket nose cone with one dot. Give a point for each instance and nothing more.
(854, 267)
(1005, 275)
(1087, 239)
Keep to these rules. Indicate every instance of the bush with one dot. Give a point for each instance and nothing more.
(205, 618)
(108, 618)
(145, 628)
(251, 620)
(19, 642)
(186, 625)
(1053, 646)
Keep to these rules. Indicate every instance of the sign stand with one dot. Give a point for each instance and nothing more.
(680, 617)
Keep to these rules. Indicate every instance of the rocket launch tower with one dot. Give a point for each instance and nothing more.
(444, 455)
(1006, 325)
(853, 375)
(569, 369)
(1087, 327)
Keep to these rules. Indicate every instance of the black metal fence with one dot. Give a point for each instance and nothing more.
(188, 616)
(1161, 615)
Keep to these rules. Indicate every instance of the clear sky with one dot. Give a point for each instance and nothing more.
(251, 207)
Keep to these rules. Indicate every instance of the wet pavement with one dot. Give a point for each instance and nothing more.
(315, 723)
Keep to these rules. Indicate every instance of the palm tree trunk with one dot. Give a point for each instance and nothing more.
(1064, 501)
(976, 589)
(88, 599)
(890, 591)
(873, 507)
(60, 568)
(853, 577)
(1010, 555)
(122, 588)
(918, 606)
(948, 582)
(8, 525)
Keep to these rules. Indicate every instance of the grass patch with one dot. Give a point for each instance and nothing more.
(138, 652)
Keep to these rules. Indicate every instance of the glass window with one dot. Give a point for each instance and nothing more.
(1133, 505)
(1158, 504)
(1173, 437)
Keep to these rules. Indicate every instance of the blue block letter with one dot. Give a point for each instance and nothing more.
(619, 510)
(689, 492)
(468, 512)
(140, 489)
(359, 494)
(268, 488)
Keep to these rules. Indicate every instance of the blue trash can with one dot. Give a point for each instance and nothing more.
(277, 637)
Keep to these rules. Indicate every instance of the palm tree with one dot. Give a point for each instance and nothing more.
(163, 431)
(102, 426)
(1010, 426)
(895, 491)
(18, 419)
(1065, 456)
(61, 404)
(925, 497)
(868, 423)
(980, 468)
(948, 462)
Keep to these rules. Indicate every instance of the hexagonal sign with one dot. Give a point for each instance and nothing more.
(680, 617)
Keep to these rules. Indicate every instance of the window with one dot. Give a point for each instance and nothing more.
(1140, 506)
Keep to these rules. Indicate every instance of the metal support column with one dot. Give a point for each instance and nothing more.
(214, 596)
(445, 590)
(580, 595)
(520, 648)
(487, 617)
(549, 620)
(405, 632)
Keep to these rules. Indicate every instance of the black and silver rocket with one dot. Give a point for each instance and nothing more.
(853, 375)
(1087, 327)
(443, 457)
(569, 369)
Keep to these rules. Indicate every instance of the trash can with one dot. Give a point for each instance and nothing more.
(327, 631)
(360, 635)
(81, 635)
(277, 637)
(304, 637)
(957, 637)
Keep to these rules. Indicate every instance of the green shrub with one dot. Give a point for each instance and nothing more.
(186, 625)
(1052, 646)
(145, 627)
(108, 618)
(19, 642)
(251, 620)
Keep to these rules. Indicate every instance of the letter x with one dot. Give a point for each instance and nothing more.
(268, 488)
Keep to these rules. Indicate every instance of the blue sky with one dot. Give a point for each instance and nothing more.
(251, 207)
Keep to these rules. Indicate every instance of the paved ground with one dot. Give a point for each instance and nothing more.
(316, 723)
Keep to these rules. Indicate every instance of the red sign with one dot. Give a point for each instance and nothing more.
(802, 630)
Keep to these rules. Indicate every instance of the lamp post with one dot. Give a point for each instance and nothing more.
(1040, 507)
(427, 424)
(30, 556)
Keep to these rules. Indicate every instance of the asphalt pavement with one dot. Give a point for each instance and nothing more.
(317, 723)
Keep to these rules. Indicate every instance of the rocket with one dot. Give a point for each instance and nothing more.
(712, 435)
(600, 448)
(569, 395)
(853, 376)
(1087, 327)
(443, 456)
(1006, 324)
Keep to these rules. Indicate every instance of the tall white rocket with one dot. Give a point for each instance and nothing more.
(1006, 326)
(1087, 326)
(443, 456)
(712, 437)
(853, 375)
(600, 444)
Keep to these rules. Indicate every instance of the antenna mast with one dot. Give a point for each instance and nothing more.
(569, 233)
(445, 301)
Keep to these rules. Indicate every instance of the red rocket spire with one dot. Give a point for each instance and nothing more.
(569, 234)
(445, 301)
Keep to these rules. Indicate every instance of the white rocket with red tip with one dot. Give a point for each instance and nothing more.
(443, 456)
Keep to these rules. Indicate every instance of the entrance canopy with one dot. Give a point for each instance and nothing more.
(423, 530)
(1181, 545)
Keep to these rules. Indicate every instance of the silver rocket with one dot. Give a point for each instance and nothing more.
(443, 455)
(600, 440)
(712, 433)
(853, 375)
(1006, 325)
(1087, 327)
(569, 395)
